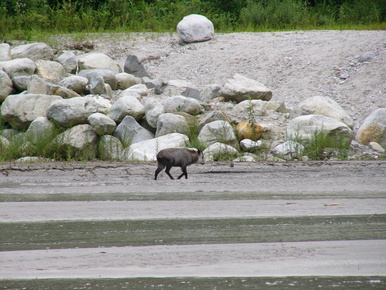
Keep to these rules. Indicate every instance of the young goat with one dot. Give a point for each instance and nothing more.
(177, 157)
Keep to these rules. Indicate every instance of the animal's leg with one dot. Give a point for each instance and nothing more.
(184, 172)
(167, 170)
(159, 169)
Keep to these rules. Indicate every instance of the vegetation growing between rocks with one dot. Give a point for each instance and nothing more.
(24, 19)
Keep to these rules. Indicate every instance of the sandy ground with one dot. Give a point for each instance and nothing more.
(96, 191)
(294, 65)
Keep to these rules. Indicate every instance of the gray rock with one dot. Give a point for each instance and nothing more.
(110, 148)
(5, 52)
(288, 150)
(21, 110)
(373, 128)
(147, 150)
(130, 132)
(171, 123)
(157, 85)
(376, 147)
(239, 88)
(96, 85)
(367, 56)
(70, 112)
(177, 87)
(217, 131)
(68, 60)
(97, 60)
(49, 70)
(6, 86)
(101, 124)
(304, 128)
(36, 85)
(40, 129)
(75, 83)
(19, 67)
(139, 89)
(250, 145)
(182, 104)
(153, 109)
(324, 106)
(218, 151)
(21, 82)
(60, 91)
(125, 81)
(194, 28)
(4, 143)
(210, 92)
(78, 142)
(213, 116)
(126, 106)
(33, 51)
(134, 66)
(107, 74)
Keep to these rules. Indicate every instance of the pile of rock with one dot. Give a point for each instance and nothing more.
(115, 113)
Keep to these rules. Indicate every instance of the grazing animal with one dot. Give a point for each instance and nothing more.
(177, 157)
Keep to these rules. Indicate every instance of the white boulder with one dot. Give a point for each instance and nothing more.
(6, 85)
(147, 150)
(101, 124)
(240, 88)
(49, 70)
(194, 28)
(129, 131)
(326, 106)
(21, 110)
(170, 123)
(217, 131)
(97, 60)
(70, 112)
(33, 51)
(373, 128)
(153, 109)
(219, 151)
(126, 106)
(19, 67)
(182, 104)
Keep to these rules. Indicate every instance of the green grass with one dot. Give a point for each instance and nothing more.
(28, 19)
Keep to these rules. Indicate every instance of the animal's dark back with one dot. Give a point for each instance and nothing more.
(177, 156)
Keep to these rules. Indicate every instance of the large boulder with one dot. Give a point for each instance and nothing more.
(139, 89)
(77, 142)
(70, 112)
(326, 106)
(64, 92)
(6, 85)
(171, 123)
(288, 150)
(182, 104)
(373, 128)
(5, 52)
(220, 151)
(240, 88)
(107, 74)
(180, 87)
(126, 106)
(19, 67)
(68, 60)
(110, 148)
(49, 70)
(33, 51)
(147, 150)
(97, 60)
(194, 28)
(41, 129)
(217, 131)
(21, 110)
(134, 67)
(75, 83)
(101, 124)
(305, 128)
(130, 132)
(36, 85)
(125, 80)
(153, 109)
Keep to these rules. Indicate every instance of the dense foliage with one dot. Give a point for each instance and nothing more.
(25, 17)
